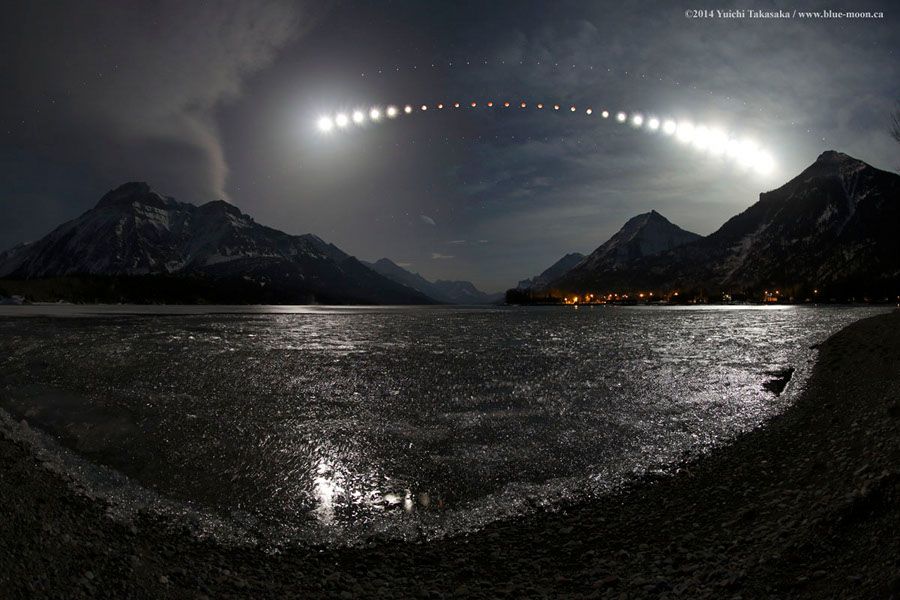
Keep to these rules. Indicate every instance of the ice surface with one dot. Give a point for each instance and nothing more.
(341, 424)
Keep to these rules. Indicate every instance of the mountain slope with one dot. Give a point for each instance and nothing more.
(135, 232)
(834, 223)
(553, 272)
(388, 268)
(449, 292)
(833, 227)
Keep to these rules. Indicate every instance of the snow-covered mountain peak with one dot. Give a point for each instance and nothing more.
(640, 222)
(134, 193)
(222, 206)
(643, 235)
(134, 231)
(829, 164)
(835, 157)
(831, 227)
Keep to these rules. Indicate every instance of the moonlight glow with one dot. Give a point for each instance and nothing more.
(712, 141)
(325, 124)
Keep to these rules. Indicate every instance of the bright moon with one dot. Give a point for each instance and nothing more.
(325, 124)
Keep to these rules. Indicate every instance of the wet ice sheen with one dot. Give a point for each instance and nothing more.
(344, 423)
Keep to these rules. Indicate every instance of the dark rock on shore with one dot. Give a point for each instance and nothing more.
(779, 381)
(805, 507)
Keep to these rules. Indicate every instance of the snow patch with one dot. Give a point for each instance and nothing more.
(741, 250)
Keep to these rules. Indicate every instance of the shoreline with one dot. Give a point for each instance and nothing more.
(806, 506)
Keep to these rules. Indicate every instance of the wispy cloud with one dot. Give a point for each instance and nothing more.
(139, 112)
(427, 220)
(439, 256)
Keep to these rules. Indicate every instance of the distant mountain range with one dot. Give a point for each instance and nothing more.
(829, 232)
(138, 246)
(448, 292)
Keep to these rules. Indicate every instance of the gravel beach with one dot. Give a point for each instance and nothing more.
(807, 506)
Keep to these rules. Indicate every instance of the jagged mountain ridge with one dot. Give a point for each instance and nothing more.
(833, 226)
(134, 231)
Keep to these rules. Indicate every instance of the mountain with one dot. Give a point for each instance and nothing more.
(647, 234)
(553, 272)
(465, 292)
(449, 292)
(830, 230)
(134, 232)
(835, 224)
(388, 268)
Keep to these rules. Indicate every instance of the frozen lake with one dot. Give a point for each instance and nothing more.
(340, 423)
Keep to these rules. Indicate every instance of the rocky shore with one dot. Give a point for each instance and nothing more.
(806, 507)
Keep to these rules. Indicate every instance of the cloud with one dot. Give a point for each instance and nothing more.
(466, 242)
(427, 220)
(131, 89)
(542, 184)
(439, 256)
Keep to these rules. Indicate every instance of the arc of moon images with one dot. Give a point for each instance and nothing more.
(710, 140)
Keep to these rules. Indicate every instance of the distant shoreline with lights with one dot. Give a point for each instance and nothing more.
(765, 297)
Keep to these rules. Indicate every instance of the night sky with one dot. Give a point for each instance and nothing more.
(220, 100)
